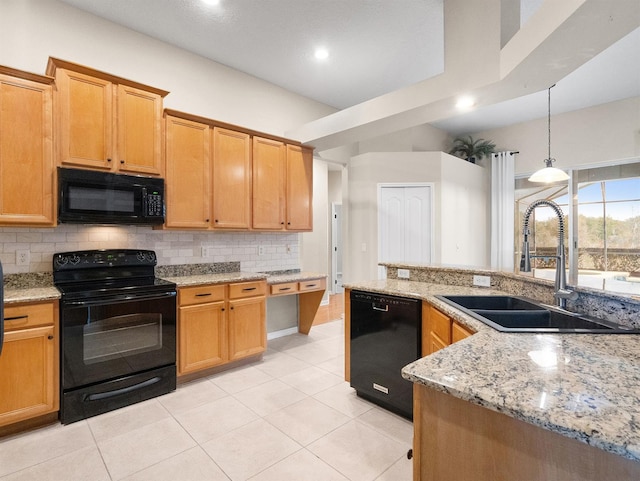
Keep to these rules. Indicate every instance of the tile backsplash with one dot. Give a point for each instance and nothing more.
(256, 252)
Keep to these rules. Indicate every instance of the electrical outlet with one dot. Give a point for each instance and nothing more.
(403, 273)
(23, 257)
(206, 251)
(288, 249)
(482, 281)
(260, 250)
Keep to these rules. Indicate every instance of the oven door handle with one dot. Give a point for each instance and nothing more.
(124, 390)
(116, 299)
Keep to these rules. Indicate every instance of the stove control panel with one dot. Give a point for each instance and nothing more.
(101, 258)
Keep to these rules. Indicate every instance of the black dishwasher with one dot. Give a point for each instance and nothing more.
(385, 337)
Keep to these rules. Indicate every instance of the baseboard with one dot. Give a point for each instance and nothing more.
(281, 333)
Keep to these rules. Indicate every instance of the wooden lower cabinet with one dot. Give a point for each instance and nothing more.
(220, 323)
(458, 440)
(247, 327)
(29, 363)
(439, 330)
(202, 337)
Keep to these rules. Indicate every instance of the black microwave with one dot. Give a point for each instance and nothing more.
(93, 197)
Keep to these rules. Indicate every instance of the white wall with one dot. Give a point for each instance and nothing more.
(604, 133)
(314, 246)
(460, 220)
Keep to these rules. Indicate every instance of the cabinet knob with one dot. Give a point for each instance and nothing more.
(108, 160)
(281, 223)
(122, 161)
(216, 221)
(206, 220)
(49, 337)
(288, 223)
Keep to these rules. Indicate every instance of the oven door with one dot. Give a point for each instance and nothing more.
(111, 337)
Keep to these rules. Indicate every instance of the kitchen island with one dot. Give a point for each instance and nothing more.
(500, 406)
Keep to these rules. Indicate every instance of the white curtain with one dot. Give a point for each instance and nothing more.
(502, 211)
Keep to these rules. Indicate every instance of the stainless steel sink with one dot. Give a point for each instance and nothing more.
(519, 314)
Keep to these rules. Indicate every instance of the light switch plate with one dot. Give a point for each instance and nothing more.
(482, 281)
(403, 273)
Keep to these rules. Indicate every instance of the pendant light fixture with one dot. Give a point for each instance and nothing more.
(549, 173)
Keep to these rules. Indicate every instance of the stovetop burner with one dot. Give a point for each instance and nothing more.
(83, 274)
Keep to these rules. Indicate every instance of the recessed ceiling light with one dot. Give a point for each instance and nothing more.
(465, 103)
(321, 53)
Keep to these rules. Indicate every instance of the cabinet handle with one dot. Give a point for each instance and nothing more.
(49, 337)
(108, 160)
(310, 285)
(284, 289)
(122, 161)
(204, 294)
(248, 289)
(15, 318)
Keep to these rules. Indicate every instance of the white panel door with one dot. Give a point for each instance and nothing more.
(405, 230)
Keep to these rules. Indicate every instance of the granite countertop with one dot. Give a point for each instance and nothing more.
(220, 278)
(583, 386)
(39, 286)
(13, 295)
(280, 277)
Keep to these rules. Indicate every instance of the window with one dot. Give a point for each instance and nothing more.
(602, 220)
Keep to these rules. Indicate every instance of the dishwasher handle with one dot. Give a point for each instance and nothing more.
(376, 308)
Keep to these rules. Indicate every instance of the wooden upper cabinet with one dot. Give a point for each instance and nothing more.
(26, 149)
(85, 110)
(299, 188)
(139, 129)
(269, 177)
(231, 179)
(106, 122)
(188, 168)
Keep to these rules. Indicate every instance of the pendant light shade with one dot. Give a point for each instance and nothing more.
(549, 174)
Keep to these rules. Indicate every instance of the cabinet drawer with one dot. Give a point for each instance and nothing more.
(247, 289)
(22, 317)
(200, 294)
(285, 288)
(441, 325)
(314, 285)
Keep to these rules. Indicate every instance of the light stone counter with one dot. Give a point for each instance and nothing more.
(222, 278)
(32, 294)
(583, 386)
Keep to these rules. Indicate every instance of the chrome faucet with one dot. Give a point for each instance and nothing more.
(561, 292)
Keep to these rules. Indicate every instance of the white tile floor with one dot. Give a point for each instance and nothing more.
(287, 417)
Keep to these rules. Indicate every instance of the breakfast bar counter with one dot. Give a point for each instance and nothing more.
(585, 387)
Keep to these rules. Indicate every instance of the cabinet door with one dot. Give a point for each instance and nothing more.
(247, 327)
(299, 188)
(139, 130)
(459, 332)
(202, 339)
(268, 184)
(188, 167)
(26, 152)
(85, 109)
(231, 179)
(435, 343)
(29, 382)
